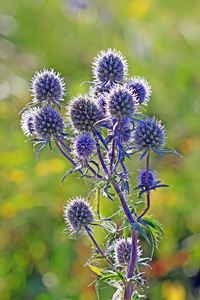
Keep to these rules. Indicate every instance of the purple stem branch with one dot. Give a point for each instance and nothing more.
(147, 186)
(100, 155)
(66, 147)
(98, 248)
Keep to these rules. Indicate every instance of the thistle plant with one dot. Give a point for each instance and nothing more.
(98, 133)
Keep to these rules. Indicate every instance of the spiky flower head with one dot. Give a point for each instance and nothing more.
(140, 88)
(47, 123)
(77, 213)
(121, 102)
(143, 178)
(122, 252)
(84, 113)
(47, 85)
(109, 65)
(83, 147)
(27, 121)
(149, 134)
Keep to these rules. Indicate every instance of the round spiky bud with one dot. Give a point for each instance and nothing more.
(47, 85)
(84, 113)
(77, 213)
(109, 66)
(143, 178)
(122, 251)
(121, 102)
(140, 88)
(27, 122)
(83, 147)
(48, 122)
(149, 135)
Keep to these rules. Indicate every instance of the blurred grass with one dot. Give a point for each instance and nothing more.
(161, 42)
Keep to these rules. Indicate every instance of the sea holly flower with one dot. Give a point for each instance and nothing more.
(149, 134)
(48, 123)
(140, 88)
(153, 182)
(109, 66)
(121, 102)
(47, 85)
(83, 147)
(77, 214)
(84, 113)
(27, 121)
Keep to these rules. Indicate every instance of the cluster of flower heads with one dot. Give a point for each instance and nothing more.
(105, 122)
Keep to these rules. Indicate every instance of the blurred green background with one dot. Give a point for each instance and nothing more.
(161, 41)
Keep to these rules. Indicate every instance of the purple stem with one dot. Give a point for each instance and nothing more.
(123, 202)
(94, 172)
(66, 155)
(100, 155)
(116, 128)
(133, 256)
(147, 186)
(66, 147)
(98, 248)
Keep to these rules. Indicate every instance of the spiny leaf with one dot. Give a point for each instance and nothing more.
(153, 223)
(96, 270)
(140, 230)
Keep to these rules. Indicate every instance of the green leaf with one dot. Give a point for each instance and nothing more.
(140, 230)
(153, 223)
(135, 296)
(96, 270)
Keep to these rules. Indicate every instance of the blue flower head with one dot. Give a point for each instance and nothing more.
(48, 123)
(83, 147)
(121, 102)
(84, 113)
(143, 178)
(27, 121)
(77, 214)
(153, 182)
(47, 85)
(149, 134)
(122, 252)
(109, 66)
(140, 88)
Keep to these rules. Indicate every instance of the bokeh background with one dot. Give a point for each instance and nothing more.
(161, 41)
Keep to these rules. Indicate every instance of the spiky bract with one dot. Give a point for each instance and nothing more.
(149, 134)
(140, 88)
(77, 213)
(47, 123)
(47, 85)
(84, 113)
(109, 65)
(121, 102)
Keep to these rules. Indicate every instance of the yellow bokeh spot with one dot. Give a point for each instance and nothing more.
(17, 176)
(170, 199)
(137, 8)
(173, 291)
(55, 165)
(8, 210)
